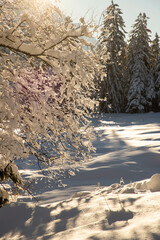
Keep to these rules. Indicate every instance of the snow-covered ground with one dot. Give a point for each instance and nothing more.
(116, 195)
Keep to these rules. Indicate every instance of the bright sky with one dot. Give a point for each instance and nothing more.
(130, 9)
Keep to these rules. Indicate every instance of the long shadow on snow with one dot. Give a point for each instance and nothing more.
(114, 159)
(32, 222)
(19, 218)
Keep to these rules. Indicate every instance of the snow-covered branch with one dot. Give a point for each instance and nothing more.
(46, 88)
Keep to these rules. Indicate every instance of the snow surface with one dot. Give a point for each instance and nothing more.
(116, 195)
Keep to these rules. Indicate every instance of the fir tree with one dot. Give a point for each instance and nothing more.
(156, 71)
(111, 49)
(155, 50)
(139, 76)
(157, 86)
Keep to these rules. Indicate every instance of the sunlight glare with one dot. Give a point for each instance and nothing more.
(36, 7)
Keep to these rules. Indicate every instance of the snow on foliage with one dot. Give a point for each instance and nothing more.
(156, 71)
(46, 85)
(4, 197)
(131, 82)
(155, 48)
(111, 49)
(140, 80)
(157, 85)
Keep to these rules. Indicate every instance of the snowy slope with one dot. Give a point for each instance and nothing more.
(124, 205)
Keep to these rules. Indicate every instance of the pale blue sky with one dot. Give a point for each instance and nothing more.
(130, 9)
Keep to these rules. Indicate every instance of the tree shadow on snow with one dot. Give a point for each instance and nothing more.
(64, 217)
(115, 159)
(121, 215)
(28, 221)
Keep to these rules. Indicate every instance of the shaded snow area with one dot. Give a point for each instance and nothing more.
(116, 195)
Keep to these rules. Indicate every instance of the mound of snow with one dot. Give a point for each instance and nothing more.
(154, 184)
(99, 214)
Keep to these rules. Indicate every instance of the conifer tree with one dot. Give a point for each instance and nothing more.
(111, 49)
(140, 80)
(157, 87)
(155, 47)
(156, 71)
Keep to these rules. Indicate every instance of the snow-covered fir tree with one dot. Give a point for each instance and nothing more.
(141, 87)
(157, 86)
(155, 51)
(155, 47)
(111, 50)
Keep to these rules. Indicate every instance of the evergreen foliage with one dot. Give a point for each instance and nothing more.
(140, 82)
(155, 47)
(157, 87)
(131, 82)
(111, 49)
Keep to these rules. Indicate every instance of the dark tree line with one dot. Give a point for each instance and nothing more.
(132, 68)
